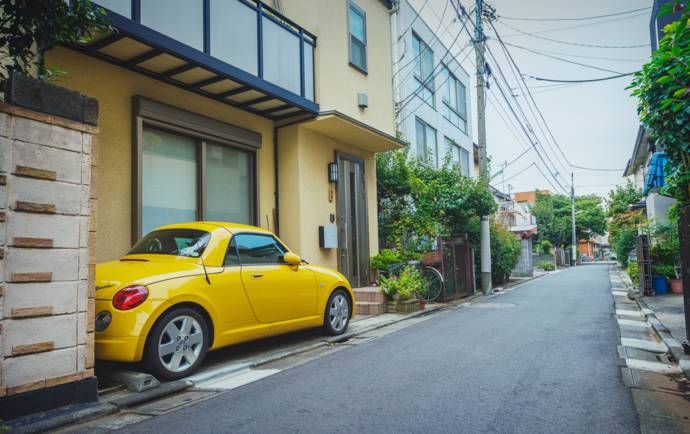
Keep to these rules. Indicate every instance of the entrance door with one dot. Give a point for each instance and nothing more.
(353, 239)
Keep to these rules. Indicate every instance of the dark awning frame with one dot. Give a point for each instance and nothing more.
(287, 104)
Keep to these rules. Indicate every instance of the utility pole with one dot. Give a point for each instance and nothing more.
(573, 260)
(485, 234)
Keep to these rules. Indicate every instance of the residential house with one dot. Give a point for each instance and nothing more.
(646, 165)
(237, 110)
(431, 92)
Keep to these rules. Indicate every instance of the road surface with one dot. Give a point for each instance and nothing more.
(540, 358)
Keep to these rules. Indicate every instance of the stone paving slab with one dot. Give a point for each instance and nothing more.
(654, 381)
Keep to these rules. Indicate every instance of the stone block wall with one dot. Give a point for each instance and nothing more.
(525, 266)
(47, 240)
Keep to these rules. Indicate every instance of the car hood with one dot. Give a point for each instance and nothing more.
(141, 270)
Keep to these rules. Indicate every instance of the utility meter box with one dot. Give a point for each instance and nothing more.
(328, 236)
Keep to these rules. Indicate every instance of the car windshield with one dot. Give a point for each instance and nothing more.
(179, 242)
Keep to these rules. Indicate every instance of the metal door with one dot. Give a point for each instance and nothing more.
(353, 240)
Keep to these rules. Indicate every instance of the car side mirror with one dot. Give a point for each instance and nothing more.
(292, 259)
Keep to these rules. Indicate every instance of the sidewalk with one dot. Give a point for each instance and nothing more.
(654, 367)
(669, 310)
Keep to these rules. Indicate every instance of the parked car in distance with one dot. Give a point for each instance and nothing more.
(188, 288)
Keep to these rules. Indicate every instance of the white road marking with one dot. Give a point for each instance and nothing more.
(237, 379)
(644, 365)
(621, 293)
(633, 323)
(632, 313)
(642, 344)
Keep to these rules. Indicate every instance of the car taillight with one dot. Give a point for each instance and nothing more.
(130, 297)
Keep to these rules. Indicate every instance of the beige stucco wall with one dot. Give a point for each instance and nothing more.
(114, 87)
(305, 202)
(338, 83)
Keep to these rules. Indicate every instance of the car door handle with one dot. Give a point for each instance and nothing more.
(257, 276)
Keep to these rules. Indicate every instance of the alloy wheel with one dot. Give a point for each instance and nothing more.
(180, 343)
(339, 312)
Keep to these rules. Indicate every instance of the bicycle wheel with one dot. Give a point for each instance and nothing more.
(435, 282)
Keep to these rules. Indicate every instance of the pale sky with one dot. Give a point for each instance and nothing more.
(594, 123)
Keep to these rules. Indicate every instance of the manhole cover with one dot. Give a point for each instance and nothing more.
(492, 305)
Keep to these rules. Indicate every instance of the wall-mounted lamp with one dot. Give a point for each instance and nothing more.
(332, 173)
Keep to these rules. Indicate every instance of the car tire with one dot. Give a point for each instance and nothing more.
(336, 316)
(177, 344)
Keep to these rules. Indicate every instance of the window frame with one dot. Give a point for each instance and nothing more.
(148, 113)
(452, 79)
(351, 5)
(429, 152)
(258, 234)
(418, 80)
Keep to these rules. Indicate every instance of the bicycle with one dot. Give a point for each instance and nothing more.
(435, 282)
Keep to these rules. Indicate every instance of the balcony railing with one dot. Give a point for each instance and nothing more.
(265, 60)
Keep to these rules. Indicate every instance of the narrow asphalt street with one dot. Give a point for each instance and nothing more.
(540, 358)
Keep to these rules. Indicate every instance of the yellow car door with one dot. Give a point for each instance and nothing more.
(276, 291)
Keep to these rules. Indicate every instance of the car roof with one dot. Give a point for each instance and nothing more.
(210, 226)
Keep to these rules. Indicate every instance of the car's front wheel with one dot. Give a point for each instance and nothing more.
(337, 315)
(177, 344)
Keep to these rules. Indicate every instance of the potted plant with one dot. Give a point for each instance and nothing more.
(676, 283)
(401, 290)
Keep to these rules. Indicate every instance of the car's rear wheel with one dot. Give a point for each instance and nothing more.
(177, 344)
(336, 318)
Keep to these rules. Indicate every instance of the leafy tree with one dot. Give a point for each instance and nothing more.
(663, 90)
(623, 221)
(505, 251)
(28, 28)
(417, 203)
(553, 214)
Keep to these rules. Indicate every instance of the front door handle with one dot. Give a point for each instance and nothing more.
(257, 276)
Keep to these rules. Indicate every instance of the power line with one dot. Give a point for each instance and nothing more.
(541, 115)
(579, 26)
(614, 59)
(518, 173)
(570, 61)
(417, 14)
(558, 41)
(524, 128)
(575, 19)
(589, 80)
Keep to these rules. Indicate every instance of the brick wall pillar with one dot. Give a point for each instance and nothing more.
(47, 269)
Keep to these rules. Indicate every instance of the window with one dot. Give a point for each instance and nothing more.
(424, 68)
(179, 242)
(426, 143)
(357, 23)
(254, 249)
(459, 156)
(189, 167)
(454, 106)
(171, 176)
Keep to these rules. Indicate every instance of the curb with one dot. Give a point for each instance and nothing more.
(662, 332)
(103, 407)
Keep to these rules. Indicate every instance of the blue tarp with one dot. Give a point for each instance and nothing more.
(655, 173)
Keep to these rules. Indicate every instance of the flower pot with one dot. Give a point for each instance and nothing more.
(676, 286)
(660, 285)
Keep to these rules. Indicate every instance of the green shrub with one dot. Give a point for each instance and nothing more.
(634, 273)
(386, 259)
(405, 284)
(505, 251)
(546, 265)
(544, 248)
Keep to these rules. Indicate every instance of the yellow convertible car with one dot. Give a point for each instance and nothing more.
(188, 288)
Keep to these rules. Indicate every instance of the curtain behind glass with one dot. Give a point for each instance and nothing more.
(229, 196)
(168, 179)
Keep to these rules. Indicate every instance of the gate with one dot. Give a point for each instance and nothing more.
(644, 263)
(456, 267)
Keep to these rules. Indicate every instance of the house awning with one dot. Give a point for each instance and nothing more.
(353, 132)
(655, 174)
